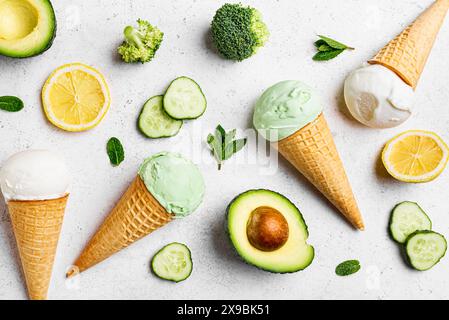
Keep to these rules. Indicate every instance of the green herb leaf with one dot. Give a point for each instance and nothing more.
(210, 140)
(234, 147)
(231, 135)
(325, 47)
(220, 132)
(223, 145)
(10, 104)
(321, 45)
(334, 44)
(347, 268)
(115, 151)
(329, 49)
(327, 55)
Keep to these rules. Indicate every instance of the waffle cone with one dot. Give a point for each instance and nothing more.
(136, 215)
(313, 153)
(37, 225)
(407, 54)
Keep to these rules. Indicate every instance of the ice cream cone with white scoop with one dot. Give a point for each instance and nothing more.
(381, 93)
(35, 185)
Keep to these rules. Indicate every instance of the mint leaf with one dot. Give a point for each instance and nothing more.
(10, 104)
(321, 45)
(234, 147)
(115, 151)
(347, 268)
(328, 49)
(231, 135)
(210, 140)
(325, 47)
(216, 146)
(334, 44)
(327, 55)
(220, 132)
(223, 145)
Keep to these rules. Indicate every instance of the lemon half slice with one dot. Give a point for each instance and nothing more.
(416, 156)
(75, 97)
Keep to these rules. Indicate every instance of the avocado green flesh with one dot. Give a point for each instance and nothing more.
(27, 27)
(294, 256)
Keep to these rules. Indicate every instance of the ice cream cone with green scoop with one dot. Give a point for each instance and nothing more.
(290, 115)
(167, 187)
(381, 94)
(35, 185)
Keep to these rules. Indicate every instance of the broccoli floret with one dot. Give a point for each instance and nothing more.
(238, 31)
(140, 43)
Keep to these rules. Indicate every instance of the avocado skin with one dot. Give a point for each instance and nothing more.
(242, 257)
(47, 45)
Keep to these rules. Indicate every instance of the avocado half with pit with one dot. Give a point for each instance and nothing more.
(27, 27)
(268, 231)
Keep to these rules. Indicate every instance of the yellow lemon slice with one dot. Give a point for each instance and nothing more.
(75, 97)
(416, 156)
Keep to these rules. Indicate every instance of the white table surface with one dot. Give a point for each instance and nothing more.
(90, 31)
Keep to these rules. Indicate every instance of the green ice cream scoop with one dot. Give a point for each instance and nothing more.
(285, 108)
(174, 181)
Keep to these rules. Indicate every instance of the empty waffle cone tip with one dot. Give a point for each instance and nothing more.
(136, 215)
(407, 54)
(37, 226)
(313, 153)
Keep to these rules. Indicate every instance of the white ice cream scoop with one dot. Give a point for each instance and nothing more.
(378, 97)
(34, 175)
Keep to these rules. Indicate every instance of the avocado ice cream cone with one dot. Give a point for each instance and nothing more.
(313, 153)
(35, 186)
(407, 54)
(167, 187)
(290, 115)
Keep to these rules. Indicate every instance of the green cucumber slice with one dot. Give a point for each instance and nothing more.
(155, 123)
(173, 262)
(407, 218)
(425, 249)
(184, 99)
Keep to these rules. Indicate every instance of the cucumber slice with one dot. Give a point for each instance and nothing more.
(184, 99)
(173, 262)
(155, 123)
(425, 249)
(407, 218)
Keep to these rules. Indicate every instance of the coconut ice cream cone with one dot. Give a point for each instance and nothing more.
(407, 54)
(290, 115)
(35, 186)
(382, 94)
(37, 226)
(167, 187)
(312, 151)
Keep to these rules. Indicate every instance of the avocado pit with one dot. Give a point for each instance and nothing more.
(267, 229)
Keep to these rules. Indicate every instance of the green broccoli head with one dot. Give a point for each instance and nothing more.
(238, 31)
(140, 43)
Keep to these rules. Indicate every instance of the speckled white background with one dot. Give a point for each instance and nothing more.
(90, 31)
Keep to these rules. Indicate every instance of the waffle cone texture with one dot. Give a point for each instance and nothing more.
(313, 153)
(136, 215)
(37, 226)
(407, 54)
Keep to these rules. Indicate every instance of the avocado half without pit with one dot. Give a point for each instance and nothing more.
(268, 231)
(27, 27)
